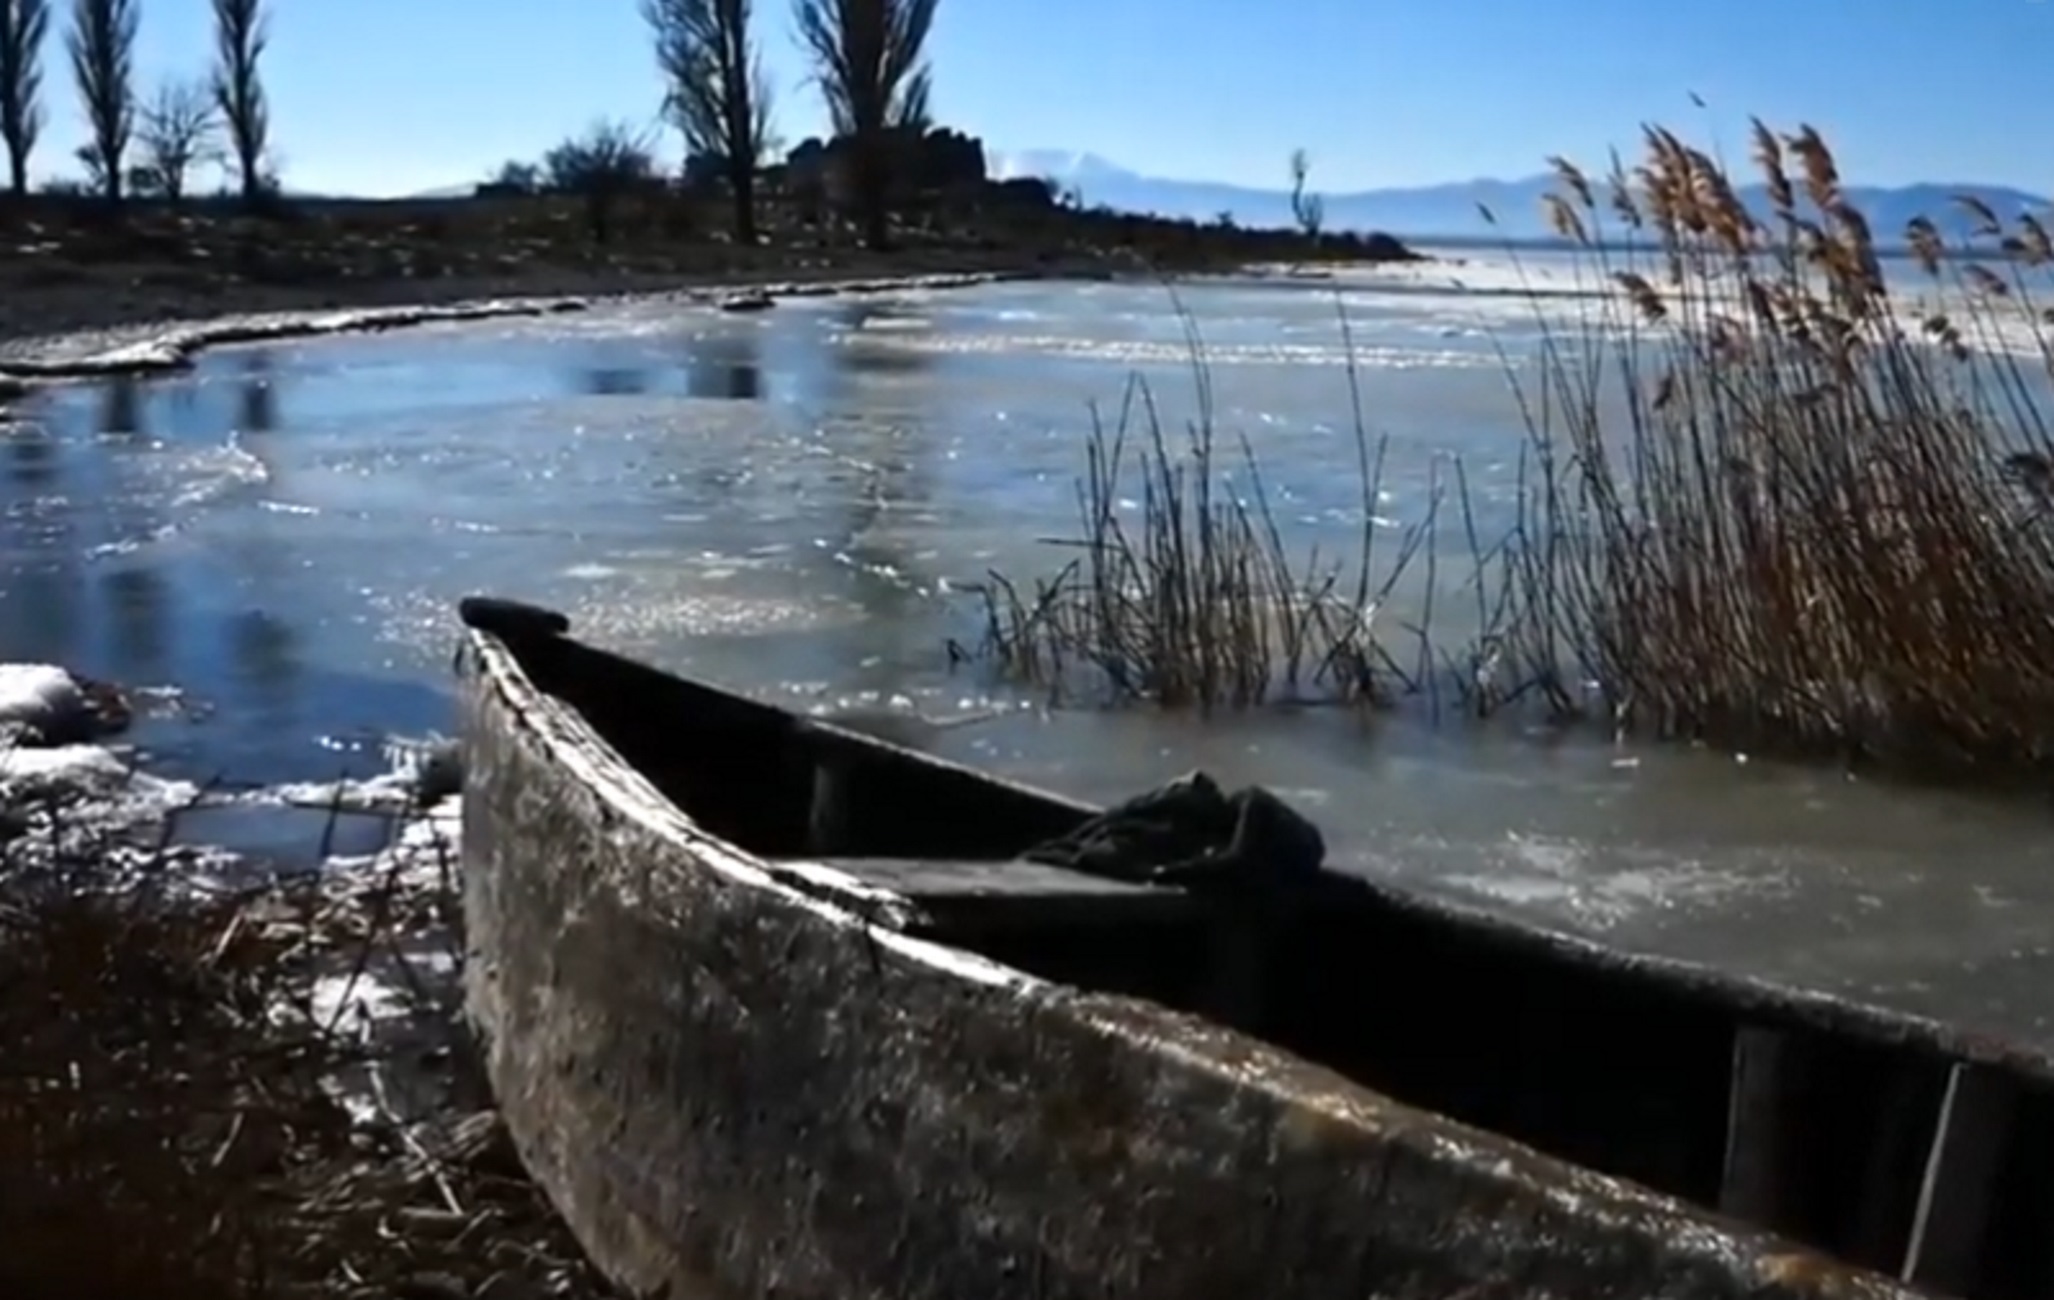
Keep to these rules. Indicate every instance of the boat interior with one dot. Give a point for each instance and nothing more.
(1884, 1147)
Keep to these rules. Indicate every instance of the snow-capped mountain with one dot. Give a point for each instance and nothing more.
(1448, 210)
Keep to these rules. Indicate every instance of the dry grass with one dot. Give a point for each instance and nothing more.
(1192, 598)
(167, 1121)
(1779, 507)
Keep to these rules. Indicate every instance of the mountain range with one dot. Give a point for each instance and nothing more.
(1449, 212)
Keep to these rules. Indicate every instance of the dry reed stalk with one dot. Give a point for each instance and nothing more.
(1776, 506)
(1198, 602)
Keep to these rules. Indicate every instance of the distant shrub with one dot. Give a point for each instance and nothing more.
(514, 177)
(610, 160)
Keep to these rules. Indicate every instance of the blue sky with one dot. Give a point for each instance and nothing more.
(395, 96)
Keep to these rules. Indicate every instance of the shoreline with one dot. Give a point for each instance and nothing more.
(68, 333)
(95, 337)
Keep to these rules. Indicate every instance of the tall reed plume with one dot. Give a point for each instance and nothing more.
(1778, 505)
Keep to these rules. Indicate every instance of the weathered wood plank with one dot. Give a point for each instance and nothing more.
(933, 878)
(1958, 1193)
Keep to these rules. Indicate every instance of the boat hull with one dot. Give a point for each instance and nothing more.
(730, 1084)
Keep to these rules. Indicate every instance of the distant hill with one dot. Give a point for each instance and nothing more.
(1450, 210)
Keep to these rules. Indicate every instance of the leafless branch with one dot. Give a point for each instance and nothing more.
(177, 132)
(609, 160)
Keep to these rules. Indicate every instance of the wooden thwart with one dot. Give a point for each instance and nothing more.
(1964, 1140)
(1958, 1192)
(1019, 893)
(985, 898)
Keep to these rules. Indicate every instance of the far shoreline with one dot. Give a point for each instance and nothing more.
(86, 290)
(69, 333)
(66, 334)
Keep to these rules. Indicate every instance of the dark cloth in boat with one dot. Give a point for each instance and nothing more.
(1191, 833)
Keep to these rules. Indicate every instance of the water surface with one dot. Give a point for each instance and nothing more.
(791, 503)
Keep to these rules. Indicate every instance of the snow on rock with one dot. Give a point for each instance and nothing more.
(42, 696)
(48, 705)
(423, 772)
(79, 805)
(85, 813)
(84, 768)
(388, 793)
(83, 774)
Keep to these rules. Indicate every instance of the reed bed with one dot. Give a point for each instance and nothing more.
(1190, 598)
(1780, 505)
(1769, 501)
(169, 1122)
(1182, 592)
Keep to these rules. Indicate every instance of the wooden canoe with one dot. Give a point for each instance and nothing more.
(927, 1071)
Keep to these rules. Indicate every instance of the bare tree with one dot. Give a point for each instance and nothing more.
(102, 45)
(176, 133)
(715, 92)
(867, 59)
(24, 25)
(610, 160)
(1308, 210)
(241, 33)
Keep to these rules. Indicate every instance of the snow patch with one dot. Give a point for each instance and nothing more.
(42, 696)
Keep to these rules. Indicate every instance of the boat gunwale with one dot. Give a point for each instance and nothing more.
(1609, 1203)
(833, 896)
